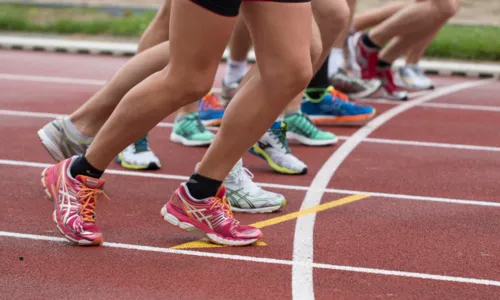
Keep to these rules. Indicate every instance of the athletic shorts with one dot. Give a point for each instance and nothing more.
(230, 8)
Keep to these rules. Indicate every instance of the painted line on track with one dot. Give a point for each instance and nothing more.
(19, 163)
(472, 107)
(94, 82)
(44, 115)
(303, 245)
(204, 243)
(440, 67)
(271, 261)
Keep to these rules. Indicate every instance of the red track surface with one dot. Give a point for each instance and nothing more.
(385, 232)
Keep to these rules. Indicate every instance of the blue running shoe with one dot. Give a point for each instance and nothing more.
(333, 107)
(210, 111)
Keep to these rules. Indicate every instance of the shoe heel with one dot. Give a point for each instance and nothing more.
(170, 218)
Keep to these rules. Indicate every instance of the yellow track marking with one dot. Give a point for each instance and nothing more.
(205, 243)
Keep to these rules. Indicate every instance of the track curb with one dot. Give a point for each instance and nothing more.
(60, 45)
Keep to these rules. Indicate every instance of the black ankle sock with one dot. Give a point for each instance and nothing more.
(383, 64)
(201, 187)
(368, 42)
(319, 83)
(82, 167)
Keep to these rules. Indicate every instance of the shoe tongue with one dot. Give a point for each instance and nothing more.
(221, 193)
(90, 182)
(276, 125)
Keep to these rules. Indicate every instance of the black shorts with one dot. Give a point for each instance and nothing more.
(230, 8)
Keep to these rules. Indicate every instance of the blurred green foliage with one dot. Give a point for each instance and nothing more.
(453, 41)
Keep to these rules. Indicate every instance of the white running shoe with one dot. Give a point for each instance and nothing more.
(425, 83)
(139, 156)
(273, 148)
(246, 196)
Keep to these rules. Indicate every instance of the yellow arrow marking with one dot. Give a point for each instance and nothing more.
(205, 243)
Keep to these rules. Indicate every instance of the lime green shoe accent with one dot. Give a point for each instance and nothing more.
(139, 156)
(301, 128)
(328, 90)
(263, 154)
(189, 131)
(130, 166)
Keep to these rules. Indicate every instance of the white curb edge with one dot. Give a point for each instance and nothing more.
(437, 67)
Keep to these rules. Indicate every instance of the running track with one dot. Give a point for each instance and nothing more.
(412, 212)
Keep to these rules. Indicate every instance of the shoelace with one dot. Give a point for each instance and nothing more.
(211, 102)
(280, 135)
(194, 124)
(244, 178)
(306, 124)
(337, 94)
(224, 204)
(87, 210)
(141, 145)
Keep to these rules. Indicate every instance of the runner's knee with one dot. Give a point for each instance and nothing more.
(188, 86)
(289, 75)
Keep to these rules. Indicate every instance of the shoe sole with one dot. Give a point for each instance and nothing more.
(150, 166)
(49, 197)
(173, 220)
(51, 148)
(255, 150)
(262, 210)
(345, 120)
(310, 142)
(184, 141)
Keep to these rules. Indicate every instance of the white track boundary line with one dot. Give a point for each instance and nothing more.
(43, 115)
(84, 81)
(53, 79)
(19, 163)
(303, 245)
(263, 260)
(437, 105)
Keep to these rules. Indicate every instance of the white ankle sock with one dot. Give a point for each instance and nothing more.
(235, 70)
(336, 61)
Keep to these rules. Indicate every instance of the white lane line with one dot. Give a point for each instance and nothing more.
(263, 260)
(34, 78)
(18, 163)
(442, 67)
(431, 144)
(43, 115)
(84, 81)
(457, 106)
(463, 106)
(303, 245)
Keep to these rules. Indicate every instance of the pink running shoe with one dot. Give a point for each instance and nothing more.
(212, 217)
(74, 203)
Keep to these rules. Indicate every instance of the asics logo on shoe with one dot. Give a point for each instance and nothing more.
(262, 145)
(91, 183)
